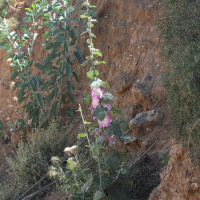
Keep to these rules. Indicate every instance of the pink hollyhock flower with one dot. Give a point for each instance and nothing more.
(95, 101)
(105, 122)
(97, 131)
(98, 93)
(107, 106)
(110, 139)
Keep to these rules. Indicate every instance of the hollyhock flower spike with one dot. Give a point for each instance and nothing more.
(95, 101)
(98, 93)
(106, 122)
(107, 106)
(110, 139)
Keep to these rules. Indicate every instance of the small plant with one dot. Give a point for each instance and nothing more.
(43, 98)
(165, 159)
(95, 178)
(32, 160)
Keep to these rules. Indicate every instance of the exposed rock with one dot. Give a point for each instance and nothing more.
(133, 144)
(123, 82)
(141, 92)
(148, 90)
(145, 145)
(180, 180)
(145, 119)
(148, 130)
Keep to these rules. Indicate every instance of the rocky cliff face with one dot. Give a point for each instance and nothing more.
(128, 39)
(179, 180)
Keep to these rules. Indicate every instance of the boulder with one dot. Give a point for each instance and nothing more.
(123, 82)
(144, 120)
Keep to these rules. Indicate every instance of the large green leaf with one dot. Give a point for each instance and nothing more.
(39, 66)
(105, 85)
(75, 76)
(35, 81)
(1, 125)
(68, 69)
(39, 97)
(108, 96)
(123, 157)
(69, 87)
(21, 93)
(50, 97)
(50, 57)
(98, 195)
(59, 39)
(71, 97)
(44, 3)
(3, 14)
(70, 112)
(78, 57)
(18, 83)
(21, 122)
(87, 185)
(73, 42)
(29, 106)
(111, 159)
(47, 33)
(47, 84)
(66, 47)
(14, 75)
(106, 181)
(114, 129)
(78, 49)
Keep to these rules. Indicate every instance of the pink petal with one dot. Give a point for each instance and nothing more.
(106, 122)
(107, 106)
(110, 139)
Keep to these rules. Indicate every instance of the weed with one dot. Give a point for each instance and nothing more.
(32, 159)
(165, 159)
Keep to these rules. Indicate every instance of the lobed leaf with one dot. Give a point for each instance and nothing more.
(111, 159)
(114, 129)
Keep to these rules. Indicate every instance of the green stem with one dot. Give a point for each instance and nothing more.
(90, 37)
(80, 168)
(100, 186)
(98, 162)
(75, 178)
(84, 125)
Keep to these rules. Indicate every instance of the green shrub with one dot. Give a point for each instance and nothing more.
(180, 26)
(33, 159)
